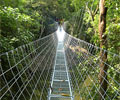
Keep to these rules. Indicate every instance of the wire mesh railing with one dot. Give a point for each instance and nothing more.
(26, 71)
(93, 77)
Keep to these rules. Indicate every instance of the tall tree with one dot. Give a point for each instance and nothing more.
(103, 54)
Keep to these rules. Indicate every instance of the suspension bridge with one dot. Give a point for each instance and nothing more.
(58, 67)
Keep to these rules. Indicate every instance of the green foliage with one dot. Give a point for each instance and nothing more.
(22, 21)
(88, 28)
(14, 28)
(113, 32)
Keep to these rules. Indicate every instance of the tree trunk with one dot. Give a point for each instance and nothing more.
(103, 54)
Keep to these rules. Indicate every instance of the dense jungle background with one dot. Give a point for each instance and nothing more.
(24, 21)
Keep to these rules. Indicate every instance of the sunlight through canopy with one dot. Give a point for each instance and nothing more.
(60, 34)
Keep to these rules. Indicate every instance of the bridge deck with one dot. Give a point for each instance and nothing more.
(60, 85)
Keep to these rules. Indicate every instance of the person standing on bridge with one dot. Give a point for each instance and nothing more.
(60, 22)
